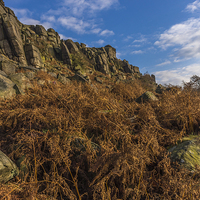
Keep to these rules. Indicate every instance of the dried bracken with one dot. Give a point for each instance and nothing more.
(77, 143)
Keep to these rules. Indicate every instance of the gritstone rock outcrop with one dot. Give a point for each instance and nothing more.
(33, 48)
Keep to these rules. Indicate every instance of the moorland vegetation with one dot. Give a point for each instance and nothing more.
(121, 151)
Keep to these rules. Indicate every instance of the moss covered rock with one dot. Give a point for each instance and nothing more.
(187, 152)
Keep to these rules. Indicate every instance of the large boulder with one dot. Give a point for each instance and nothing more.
(102, 64)
(11, 28)
(71, 46)
(130, 68)
(160, 89)
(21, 81)
(53, 36)
(63, 79)
(110, 51)
(146, 97)
(40, 30)
(33, 55)
(187, 152)
(66, 57)
(8, 169)
(79, 78)
(8, 67)
(6, 88)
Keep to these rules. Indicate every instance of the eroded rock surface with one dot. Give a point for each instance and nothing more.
(187, 152)
(8, 169)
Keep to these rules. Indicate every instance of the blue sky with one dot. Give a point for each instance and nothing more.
(160, 37)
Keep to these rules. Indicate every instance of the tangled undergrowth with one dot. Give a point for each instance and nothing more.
(133, 161)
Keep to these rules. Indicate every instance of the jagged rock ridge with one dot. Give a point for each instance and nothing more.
(35, 48)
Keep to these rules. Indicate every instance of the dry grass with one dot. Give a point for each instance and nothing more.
(133, 162)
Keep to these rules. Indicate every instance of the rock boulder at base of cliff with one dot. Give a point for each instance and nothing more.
(71, 46)
(146, 97)
(8, 169)
(6, 88)
(187, 152)
(11, 32)
(33, 56)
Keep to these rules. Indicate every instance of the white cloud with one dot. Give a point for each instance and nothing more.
(77, 7)
(75, 24)
(137, 52)
(65, 37)
(29, 21)
(128, 38)
(193, 6)
(48, 18)
(107, 33)
(164, 63)
(118, 55)
(100, 42)
(176, 76)
(185, 36)
(134, 45)
(96, 30)
(142, 40)
(21, 12)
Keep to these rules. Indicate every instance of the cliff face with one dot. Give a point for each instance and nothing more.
(35, 48)
(29, 44)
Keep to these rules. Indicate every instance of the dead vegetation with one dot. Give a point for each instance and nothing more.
(133, 162)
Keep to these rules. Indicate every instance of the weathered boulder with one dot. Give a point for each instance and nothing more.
(40, 30)
(6, 88)
(66, 57)
(71, 46)
(146, 97)
(25, 68)
(160, 89)
(63, 79)
(21, 81)
(3, 74)
(8, 169)
(174, 90)
(53, 36)
(127, 67)
(102, 64)
(187, 152)
(110, 51)
(98, 80)
(8, 67)
(135, 69)
(81, 144)
(79, 77)
(5, 47)
(13, 35)
(33, 55)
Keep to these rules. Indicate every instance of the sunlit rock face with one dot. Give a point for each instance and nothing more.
(187, 152)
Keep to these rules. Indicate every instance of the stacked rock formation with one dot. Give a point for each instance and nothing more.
(34, 48)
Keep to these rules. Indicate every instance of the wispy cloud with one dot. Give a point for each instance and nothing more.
(142, 40)
(164, 63)
(184, 36)
(107, 33)
(100, 42)
(176, 76)
(29, 21)
(77, 7)
(192, 7)
(65, 37)
(118, 55)
(137, 52)
(21, 12)
(128, 38)
(75, 24)
(95, 30)
(48, 18)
